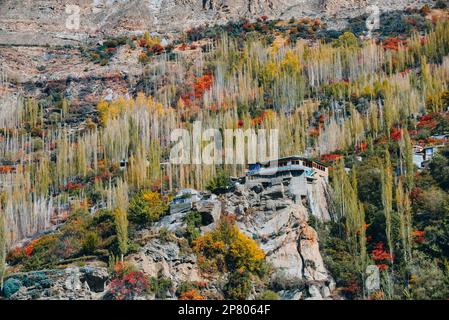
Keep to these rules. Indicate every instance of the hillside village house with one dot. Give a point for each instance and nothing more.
(423, 155)
(296, 172)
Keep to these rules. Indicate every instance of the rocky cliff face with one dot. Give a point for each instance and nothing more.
(280, 225)
(268, 215)
(30, 22)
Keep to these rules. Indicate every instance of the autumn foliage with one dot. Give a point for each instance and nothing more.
(229, 248)
(393, 43)
(381, 256)
(191, 295)
(127, 283)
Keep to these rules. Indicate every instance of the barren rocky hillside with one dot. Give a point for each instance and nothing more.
(45, 22)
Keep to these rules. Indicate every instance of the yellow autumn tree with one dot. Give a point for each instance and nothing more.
(227, 244)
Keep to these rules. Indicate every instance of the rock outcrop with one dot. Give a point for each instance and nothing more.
(75, 283)
(268, 215)
(280, 225)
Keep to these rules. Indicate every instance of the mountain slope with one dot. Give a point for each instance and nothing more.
(41, 22)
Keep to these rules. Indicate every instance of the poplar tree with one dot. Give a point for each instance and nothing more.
(407, 154)
(2, 243)
(121, 225)
(121, 216)
(404, 213)
(349, 207)
(386, 173)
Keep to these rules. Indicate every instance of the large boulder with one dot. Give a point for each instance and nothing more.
(159, 258)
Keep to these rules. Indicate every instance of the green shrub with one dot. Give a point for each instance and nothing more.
(36, 279)
(220, 181)
(193, 224)
(91, 242)
(160, 286)
(268, 295)
(238, 286)
(440, 4)
(184, 287)
(165, 235)
(11, 286)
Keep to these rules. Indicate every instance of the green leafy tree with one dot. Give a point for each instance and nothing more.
(439, 168)
(346, 40)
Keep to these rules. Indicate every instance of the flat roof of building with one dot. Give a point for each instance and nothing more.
(293, 157)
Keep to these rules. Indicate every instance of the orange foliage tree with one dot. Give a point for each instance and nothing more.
(191, 295)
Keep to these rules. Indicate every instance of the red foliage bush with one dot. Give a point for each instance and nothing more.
(331, 157)
(381, 256)
(142, 43)
(7, 169)
(15, 255)
(29, 248)
(361, 147)
(396, 134)
(157, 48)
(419, 236)
(393, 43)
(427, 121)
(128, 284)
(74, 186)
(202, 84)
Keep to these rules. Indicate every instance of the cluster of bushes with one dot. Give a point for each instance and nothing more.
(190, 291)
(151, 46)
(393, 24)
(219, 183)
(264, 28)
(87, 236)
(35, 281)
(193, 223)
(400, 279)
(103, 53)
(127, 283)
(227, 249)
(160, 286)
(83, 236)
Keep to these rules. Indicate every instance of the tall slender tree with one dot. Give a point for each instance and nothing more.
(3, 243)
(121, 217)
(386, 172)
